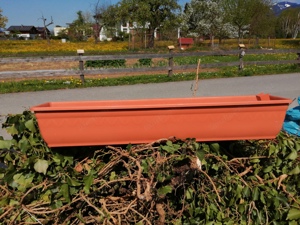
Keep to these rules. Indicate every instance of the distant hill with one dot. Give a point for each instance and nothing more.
(281, 6)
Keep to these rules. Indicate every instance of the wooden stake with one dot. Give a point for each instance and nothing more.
(197, 78)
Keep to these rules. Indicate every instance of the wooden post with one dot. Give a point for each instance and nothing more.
(241, 55)
(80, 52)
(298, 58)
(171, 62)
(197, 78)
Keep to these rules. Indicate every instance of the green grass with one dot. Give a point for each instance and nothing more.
(233, 58)
(74, 82)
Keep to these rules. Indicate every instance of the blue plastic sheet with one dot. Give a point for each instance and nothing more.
(291, 122)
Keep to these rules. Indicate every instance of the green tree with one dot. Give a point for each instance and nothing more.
(100, 11)
(110, 18)
(288, 23)
(80, 28)
(3, 19)
(262, 21)
(248, 15)
(237, 13)
(149, 15)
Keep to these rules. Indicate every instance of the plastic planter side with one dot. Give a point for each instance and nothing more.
(89, 123)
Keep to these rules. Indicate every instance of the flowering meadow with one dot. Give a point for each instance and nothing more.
(56, 47)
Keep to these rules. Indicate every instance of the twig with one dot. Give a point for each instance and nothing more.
(103, 203)
(7, 211)
(124, 210)
(161, 212)
(90, 204)
(127, 168)
(31, 189)
(138, 182)
(50, 211)
(219, 159)
(281, 178)
(144, 218)
(248, 169)
(4, 189)
(213, 184)
(108, 166)
(259, 179)
(32, 216)
(248, 158)
(110, 182)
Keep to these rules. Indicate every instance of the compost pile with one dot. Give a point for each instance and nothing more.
(167, 182)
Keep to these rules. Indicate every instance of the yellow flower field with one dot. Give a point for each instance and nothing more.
(56, 46)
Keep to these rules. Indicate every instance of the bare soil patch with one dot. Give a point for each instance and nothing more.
(28, 66)
(38, 66)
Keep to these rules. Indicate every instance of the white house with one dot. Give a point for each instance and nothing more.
(57, 30)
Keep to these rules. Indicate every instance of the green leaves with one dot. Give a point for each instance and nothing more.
(22, 182)
(170, 147)
(294, 214)
(88, 181)
(164, 190)
(189, 193)
(65, 192)
(41, 166)
(295, 171)
(6, 144)
(292, 156)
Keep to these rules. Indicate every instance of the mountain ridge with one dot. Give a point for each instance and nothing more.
(279, 7)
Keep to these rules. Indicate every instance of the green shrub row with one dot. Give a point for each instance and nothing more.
(105, 63)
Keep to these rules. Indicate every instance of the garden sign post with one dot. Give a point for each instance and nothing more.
(80, 52)
(171, 62)
(241, 55)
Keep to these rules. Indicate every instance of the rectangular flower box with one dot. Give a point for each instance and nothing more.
(90, 123)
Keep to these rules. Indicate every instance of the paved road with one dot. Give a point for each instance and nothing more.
(285, 85)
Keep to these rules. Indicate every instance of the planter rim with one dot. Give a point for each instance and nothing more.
(161, 103)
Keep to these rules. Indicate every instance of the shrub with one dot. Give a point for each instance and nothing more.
(145, 62)
(105, 63)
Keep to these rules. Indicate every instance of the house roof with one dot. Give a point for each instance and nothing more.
(42, 29)
(20, 28)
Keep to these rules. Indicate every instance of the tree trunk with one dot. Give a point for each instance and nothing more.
(151, 38)
(220, 40)
(212, 44)
(257, 42)
(97, 31)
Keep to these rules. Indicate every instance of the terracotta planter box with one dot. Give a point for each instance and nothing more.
(88, 123)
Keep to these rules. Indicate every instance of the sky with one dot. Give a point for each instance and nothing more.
(30, 12)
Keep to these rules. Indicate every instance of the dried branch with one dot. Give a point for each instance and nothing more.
(92, 205)
(212, 183)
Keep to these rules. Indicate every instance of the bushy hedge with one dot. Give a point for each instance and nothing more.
(105, 63)
(166, 182)
(145, 62)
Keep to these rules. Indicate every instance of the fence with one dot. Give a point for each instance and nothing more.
(169, 69)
